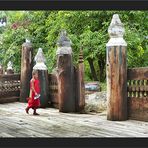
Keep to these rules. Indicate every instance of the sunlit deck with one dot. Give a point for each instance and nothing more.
(14, 122)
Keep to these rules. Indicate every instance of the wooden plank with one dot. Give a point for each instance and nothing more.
(51, 123)
(137, 73)
(9, 77)
(25, 130)
(138, 108)
(10, 93)
(5, 135)
(9, 99)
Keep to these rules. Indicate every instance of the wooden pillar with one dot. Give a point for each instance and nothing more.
(1, 69)
(81, 85)
(43, 78)
(9, 68)
(26, 70)
(116, 72)
(65, 74)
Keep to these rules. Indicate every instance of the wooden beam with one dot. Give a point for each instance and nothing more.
(137, 108)
(140, 73)
(9, 77)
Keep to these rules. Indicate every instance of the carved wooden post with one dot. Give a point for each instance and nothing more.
(9, 68)
(81, 84)
(43, 77)
(65, 74)
(26, 70)
(116, 72)
(1, 69)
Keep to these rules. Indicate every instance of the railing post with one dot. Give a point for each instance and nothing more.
(26, 70)
(65, 74)
(116, 71)
(10, 68)
(43, 77)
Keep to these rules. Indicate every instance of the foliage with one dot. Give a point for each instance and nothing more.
(86, 29)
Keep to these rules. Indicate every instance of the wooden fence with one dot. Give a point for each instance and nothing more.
(138, 93)
(9, 88)
(137, 88)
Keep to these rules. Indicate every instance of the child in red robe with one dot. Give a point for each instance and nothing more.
(34, 91)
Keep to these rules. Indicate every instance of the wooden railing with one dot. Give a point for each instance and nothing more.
(9, 88)
(138, 82)
(138, 93)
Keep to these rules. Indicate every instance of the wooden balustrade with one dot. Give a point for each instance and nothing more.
(137, 88)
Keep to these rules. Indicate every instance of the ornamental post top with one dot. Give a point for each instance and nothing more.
(64, 44)
(9, 65)
(27, 43)
(63, 40)
(81, 55)
(40, 56)
(40, 60)
(116, 32)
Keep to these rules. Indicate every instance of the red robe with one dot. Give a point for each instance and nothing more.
(34, 103)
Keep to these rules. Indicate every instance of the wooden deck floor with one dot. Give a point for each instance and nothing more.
(14, 122)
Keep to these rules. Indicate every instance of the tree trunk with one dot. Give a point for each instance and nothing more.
(92, 68)
(101, 63)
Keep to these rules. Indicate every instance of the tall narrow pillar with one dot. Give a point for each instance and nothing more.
(65, 74)
(116, 72)
(26, 70)
(1, 69)
(81, 89)
(43, 77)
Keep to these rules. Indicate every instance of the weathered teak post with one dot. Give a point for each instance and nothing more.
(26, 70)
(116, 72)
(65, 74)
(81, 89)
(43, 77)
(10, 68)
(1, 69)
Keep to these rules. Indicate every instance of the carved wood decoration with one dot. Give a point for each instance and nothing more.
(9, 88)
(10, 68)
